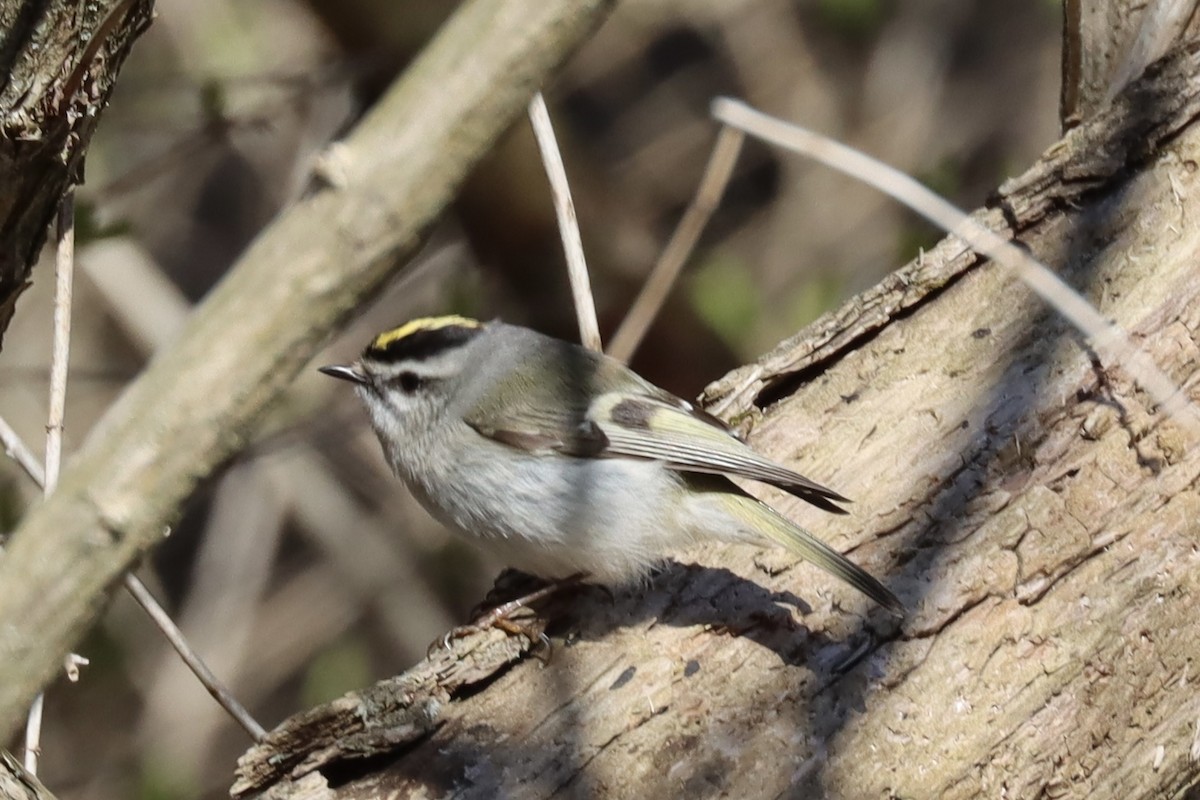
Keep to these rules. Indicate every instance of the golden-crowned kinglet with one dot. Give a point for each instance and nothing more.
(562, 461)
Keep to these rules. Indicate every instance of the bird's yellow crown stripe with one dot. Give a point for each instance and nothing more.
(423, 324)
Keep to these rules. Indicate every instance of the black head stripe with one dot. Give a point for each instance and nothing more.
(420, 344)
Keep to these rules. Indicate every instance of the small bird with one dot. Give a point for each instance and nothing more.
(561, 461)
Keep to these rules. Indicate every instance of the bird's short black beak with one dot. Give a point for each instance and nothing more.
(345, 373)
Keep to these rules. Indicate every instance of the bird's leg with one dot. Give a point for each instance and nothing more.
(499, 616)
(501, 613)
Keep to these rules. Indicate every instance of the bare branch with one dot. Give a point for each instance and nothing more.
(1036, 514)
(1112, 342)
(60, 356)
(195, 664)
(654, 293)
(136, 588)
(160, 618)
(568, 224)
(16, 449)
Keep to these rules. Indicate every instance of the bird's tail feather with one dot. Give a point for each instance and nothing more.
(766, 521)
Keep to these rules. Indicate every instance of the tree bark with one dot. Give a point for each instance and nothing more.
(1107, 43)
(17, 784)
(60, 60)
(1034, 512)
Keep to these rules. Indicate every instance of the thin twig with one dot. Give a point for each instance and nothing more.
(164, 622)
(49, 477)
(64, 275)
(18, 451)
(245, 523)
(160, 617)
(33, 734)
(1108, 339)
(64, 278)
(568, 225)
(654, 293)
(71, 665)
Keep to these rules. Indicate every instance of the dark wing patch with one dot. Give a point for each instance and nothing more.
(633, 412)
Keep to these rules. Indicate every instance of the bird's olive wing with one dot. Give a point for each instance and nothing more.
(533, 407)
(637, 426)
(569, 401)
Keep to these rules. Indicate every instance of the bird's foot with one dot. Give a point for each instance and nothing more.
(500, 616)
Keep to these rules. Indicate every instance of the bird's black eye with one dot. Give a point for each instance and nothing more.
(409, 382)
